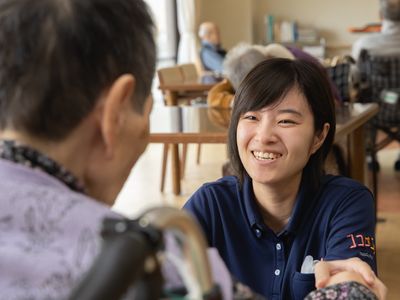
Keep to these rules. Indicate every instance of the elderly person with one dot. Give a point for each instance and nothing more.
(71, 105)
(211, 53)
(386, 42)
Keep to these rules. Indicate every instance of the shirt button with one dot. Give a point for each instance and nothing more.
(258, 232)
(278, 246)
(277, 272)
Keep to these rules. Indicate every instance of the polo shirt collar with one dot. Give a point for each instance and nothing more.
(303, 205)
(252, 212)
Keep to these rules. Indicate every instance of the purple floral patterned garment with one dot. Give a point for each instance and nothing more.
(49, 230)
(343, 291)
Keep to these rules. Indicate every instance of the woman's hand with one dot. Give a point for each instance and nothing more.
(352, 269)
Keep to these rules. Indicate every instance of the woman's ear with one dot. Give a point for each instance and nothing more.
(115, 103)
(319, 138)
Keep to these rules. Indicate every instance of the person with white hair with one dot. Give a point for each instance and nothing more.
(211, 54)
(388, 40)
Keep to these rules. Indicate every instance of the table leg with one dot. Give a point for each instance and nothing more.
(357, 155)
(175, 167)
(171, 98)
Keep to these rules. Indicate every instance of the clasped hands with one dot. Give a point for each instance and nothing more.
(352, 269)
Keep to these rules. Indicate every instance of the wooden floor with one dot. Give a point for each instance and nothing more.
(142, 191)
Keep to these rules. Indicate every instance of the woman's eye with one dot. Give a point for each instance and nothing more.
(287, 122)
(249, 117)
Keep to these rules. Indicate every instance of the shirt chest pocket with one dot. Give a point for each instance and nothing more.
(302, 284)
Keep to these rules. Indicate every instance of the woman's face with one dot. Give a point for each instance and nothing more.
(276, 142)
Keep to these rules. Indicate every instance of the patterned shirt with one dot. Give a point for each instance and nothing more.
(342, 291)
(49, 230)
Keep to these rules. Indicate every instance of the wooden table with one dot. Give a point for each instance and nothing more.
(200, 124)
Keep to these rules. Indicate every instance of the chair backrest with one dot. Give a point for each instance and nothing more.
(170, 75)
(189, 72)
(340, 76)
(338, 70)
(381, 76)
(379, 72)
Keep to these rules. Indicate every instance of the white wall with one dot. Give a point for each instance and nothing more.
(234, 18)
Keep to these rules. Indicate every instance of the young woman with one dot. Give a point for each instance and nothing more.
(281, 213)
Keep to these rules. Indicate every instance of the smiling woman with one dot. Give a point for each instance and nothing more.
(281, 211)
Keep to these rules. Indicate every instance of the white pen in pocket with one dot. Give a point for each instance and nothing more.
(308, 265)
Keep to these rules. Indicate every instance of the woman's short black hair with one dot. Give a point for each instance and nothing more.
(267, 84)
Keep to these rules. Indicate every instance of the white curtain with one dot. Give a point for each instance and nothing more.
(187, 50)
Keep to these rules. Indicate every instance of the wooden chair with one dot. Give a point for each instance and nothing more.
(177, 75)
(189, 72)
(170, 75)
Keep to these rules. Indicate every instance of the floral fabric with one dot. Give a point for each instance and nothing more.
(343, 291)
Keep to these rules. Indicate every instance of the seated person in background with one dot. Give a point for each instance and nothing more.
(281, 212)
(241, 59)
(238, 62)
(386, 42)
(211, 53)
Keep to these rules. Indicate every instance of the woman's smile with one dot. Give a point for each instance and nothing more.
(259, 155)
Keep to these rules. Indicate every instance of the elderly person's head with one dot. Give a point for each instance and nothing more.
(209, 32)
(239, 61)
(390, 10)
(75, 79)
(244, 57)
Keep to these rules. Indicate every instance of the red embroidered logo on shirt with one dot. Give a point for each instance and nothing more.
(360, 240)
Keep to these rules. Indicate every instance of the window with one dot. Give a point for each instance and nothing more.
(166, 37)
(164, 16)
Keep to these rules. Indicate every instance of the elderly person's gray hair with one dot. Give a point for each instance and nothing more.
(390, 9)
(239, 61)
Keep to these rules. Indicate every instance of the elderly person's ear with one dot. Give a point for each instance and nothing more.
(115, 103)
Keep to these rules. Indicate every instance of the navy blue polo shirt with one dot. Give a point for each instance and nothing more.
(336, 222)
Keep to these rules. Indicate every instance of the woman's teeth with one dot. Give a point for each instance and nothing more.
(266, 155)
